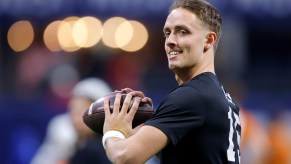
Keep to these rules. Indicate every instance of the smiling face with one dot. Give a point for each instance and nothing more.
(186, 41)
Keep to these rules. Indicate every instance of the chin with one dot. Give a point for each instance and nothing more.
(173, 68)
(173, 65)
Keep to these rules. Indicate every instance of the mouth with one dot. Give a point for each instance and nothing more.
(173, 54)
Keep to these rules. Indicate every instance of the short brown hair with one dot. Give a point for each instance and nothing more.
(207, 13)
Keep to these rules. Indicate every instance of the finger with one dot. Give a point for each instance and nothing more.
(126, 103)
(134, 107)
(147, 100)
(137, 94)
(106, 107)
(126, 90)
(116, 104)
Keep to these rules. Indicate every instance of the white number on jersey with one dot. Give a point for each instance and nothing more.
(233, 148)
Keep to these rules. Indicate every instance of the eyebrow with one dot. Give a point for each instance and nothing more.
(177, 27)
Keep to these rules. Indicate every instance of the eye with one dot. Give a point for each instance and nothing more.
(166, 34)
(182, 32)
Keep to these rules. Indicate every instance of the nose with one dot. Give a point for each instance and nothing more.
(171, 40)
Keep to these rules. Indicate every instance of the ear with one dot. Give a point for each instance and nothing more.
(211, 38)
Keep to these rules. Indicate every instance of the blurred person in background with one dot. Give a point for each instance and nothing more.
(68, 139)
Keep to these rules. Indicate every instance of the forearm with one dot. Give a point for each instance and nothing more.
(118, 151)
(113, 148)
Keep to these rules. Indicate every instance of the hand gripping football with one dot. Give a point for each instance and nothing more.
(94, 116)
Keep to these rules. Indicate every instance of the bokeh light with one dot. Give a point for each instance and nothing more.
(50, 36)
(138, 39)
(20, 35)
(65, 36)
(109, 30)
(87, 31)
(123, 34)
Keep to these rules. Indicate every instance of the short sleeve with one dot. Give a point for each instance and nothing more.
(180, 112)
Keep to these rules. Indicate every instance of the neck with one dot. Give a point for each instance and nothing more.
(206, 65)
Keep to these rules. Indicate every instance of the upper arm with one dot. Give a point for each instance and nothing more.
(138, 148)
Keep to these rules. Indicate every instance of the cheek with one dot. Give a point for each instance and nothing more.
(195, 47)
(189, 47)
(186, 42)
(166, 47)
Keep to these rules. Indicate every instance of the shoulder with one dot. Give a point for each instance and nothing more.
(184, 94)
(61, 121)
(61, 127)
(182, 100)
(204, 81)
(195, 88)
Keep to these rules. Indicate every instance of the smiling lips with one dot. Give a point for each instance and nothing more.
(172, 54)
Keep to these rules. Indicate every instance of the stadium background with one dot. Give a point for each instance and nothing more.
(253, 61)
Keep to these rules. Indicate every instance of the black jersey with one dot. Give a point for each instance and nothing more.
(201, 122)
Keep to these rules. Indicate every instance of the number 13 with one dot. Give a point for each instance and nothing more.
(234, 133)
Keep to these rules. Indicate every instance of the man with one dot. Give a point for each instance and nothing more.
(197, 122)
(88, 145)
(68, 139)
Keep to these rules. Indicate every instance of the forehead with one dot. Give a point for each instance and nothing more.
(182, 17)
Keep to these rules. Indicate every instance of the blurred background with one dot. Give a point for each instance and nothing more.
(47, 46)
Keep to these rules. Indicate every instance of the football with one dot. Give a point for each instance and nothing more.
(94, 116)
